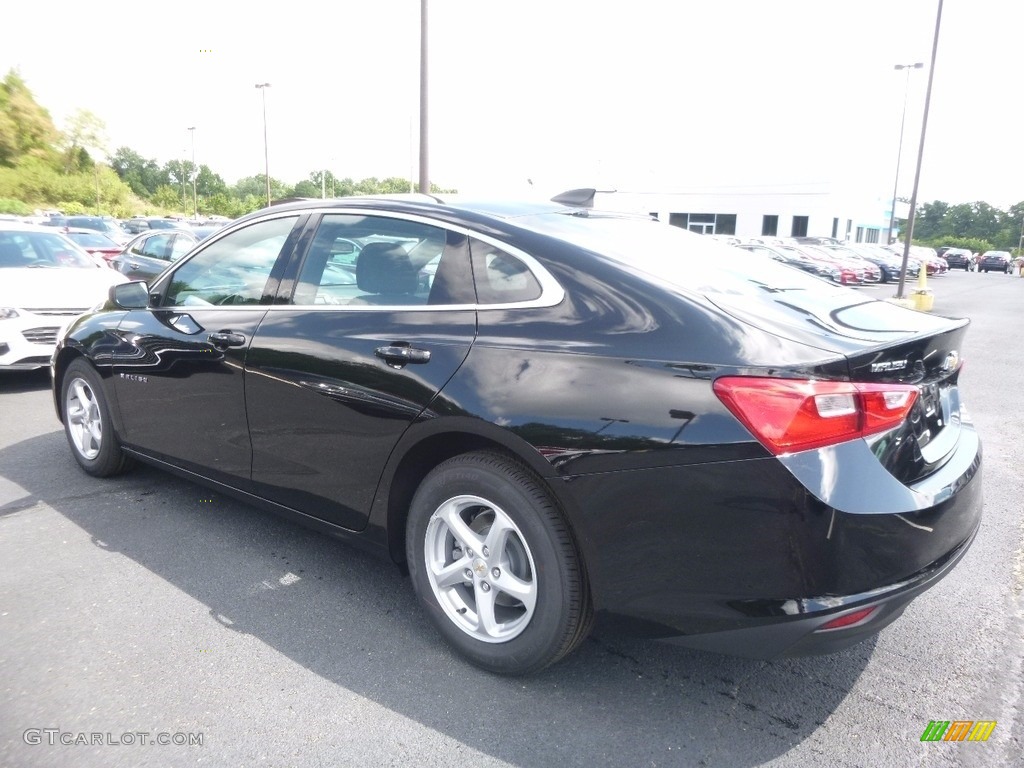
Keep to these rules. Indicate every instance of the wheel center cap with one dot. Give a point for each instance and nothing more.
(479, 567)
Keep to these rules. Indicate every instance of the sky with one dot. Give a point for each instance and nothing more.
(527, 95)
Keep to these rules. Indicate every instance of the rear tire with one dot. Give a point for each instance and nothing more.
(87, 423)
(495, 566)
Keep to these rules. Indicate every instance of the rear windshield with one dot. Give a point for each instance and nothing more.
(91, 240)
(679, 258)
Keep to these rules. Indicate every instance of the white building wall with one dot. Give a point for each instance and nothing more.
(823, 208)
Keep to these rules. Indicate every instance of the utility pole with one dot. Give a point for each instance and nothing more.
(266, 153)
(920, 157)
(194, 170)
(899, 151)
(424, 173)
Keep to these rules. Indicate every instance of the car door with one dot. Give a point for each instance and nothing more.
(382, 315)
(178, 371)
(147, 257)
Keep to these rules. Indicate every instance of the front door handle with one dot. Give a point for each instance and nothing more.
(399, 355)
(227, 339)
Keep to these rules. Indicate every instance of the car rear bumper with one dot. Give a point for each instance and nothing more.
(752, 557)
(805, 633)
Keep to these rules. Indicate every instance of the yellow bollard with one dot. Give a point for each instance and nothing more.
(923, 299)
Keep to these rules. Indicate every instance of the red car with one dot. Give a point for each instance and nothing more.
(93, 242)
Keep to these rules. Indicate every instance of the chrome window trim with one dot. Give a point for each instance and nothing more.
(551, 292)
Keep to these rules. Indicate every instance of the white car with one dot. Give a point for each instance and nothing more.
(46, 281)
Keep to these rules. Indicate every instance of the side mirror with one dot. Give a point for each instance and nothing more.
(134, 295)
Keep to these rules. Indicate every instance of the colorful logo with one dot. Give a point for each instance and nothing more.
(958, 730)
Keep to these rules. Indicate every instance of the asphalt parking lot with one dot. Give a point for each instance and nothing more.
(147, 607)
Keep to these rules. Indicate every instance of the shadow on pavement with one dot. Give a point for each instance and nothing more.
(352, 619)
(24, 381)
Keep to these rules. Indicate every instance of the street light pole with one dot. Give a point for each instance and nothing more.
(899, 151)
(184, 199)
(195, 198)
(920, 157)
(266, 154)
(424, 173)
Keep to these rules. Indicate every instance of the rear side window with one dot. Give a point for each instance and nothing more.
(501, 278)
(356, 260)
(157, 247)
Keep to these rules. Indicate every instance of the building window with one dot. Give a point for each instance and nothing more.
(860, 235)
(654, 215)
(799, 226)
(872, 236)
(770, 225)
(705, 223)
(725, 224)
(849, 226)
(835, 229)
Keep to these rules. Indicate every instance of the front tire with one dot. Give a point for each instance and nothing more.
(495, 566)
(87, 423)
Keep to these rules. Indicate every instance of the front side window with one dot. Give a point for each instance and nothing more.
(232, 270)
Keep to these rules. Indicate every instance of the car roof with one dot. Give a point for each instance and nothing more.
(24, 226)
(420, 203)
(79, 231)
(168, 231)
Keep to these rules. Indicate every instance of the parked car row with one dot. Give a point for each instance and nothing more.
(843, 263)
(988, 261)
(43, 285)
(121, 231)
(46, 280)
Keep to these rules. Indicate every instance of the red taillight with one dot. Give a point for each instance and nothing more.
(848, 620)
(789, 415)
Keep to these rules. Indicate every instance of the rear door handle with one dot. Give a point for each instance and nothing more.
(227, 339)
(399, 355)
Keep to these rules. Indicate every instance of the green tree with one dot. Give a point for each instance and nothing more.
(958, 220)
(306, 188)
(209, 183)
(26, 128)
(929, 220)
(142, 175)
(256, 186)
(985, 221)
(17, 207)
(167, 197)
(84, 136)
(223, 204)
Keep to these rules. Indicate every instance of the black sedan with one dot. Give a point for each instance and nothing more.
(958, 258)
(995, 261)
(549, 416)
(150, 253)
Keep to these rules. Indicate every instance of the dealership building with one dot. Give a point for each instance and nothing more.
(814, 210)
